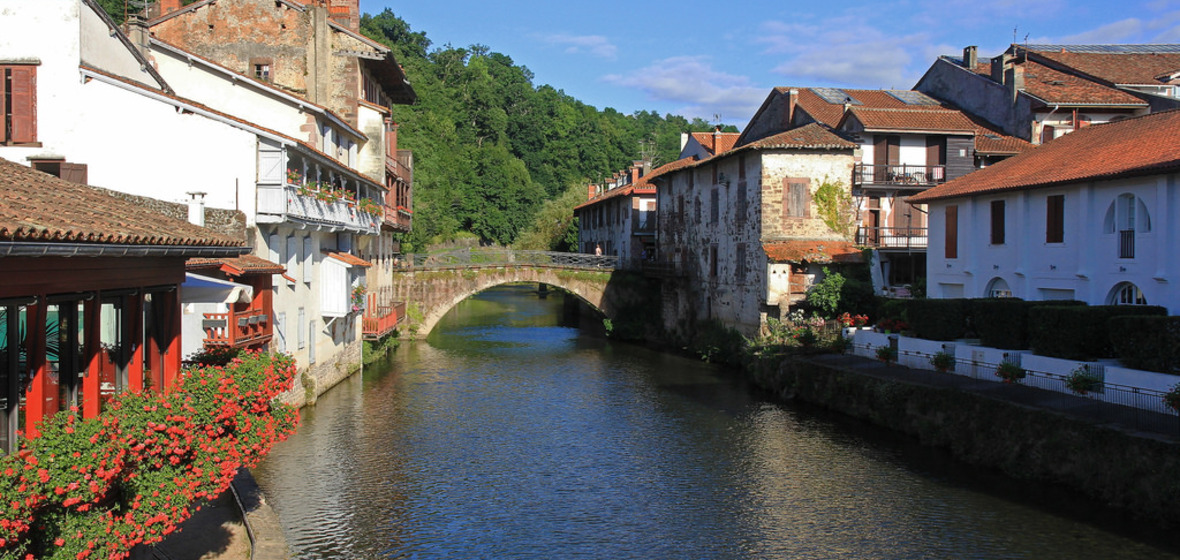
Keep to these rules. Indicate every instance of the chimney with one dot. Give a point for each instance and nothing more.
(591, 192)
(792, 101)
(164, 7)
(970, 57)
(716, 138)
(683, 140)
(137, 32)
(196, 208)
(636, 171)
(1014, 77)
(346, 13)
(999, 65)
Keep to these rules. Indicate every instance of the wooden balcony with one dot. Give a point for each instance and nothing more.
(237, 330)
(380, 320)
(892, 238)
(903, 176)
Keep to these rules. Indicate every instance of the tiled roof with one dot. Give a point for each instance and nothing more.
(36, 206)
(348, 258)
(237, 266)
(879, 119)
(808, 136)
(991, 141)
(725, 141)
(1136, 146)
(812, 250)
(643, 185)
(1119, 68)
(1056, 87)
(830, 113)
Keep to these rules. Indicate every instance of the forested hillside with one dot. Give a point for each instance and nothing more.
(490, 146)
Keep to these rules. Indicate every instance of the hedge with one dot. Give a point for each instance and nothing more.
(1004, 322)
(96, 488)
(1079, 333)
(1147, 343)
(938, 319)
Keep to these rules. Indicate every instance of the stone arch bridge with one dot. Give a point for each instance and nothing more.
(435, 283)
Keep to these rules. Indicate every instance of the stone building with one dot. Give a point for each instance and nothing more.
(742, 232)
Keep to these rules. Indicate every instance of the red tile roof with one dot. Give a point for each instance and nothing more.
(989, 141)
(349, 259)
(909, 119)
(724, 141)
(1056, 87)
(830, 113)
(643, 186)
(1119, 68)
(808, 136)
(36, 206)
(1136, 146)
(236, 266)
(812, 250)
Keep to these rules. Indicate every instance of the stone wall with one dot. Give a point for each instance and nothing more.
(318, 378)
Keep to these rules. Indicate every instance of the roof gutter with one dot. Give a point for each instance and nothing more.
(49, 249)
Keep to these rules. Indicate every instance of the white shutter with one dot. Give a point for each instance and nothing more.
(308, 259)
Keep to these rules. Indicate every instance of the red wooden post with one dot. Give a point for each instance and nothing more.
(92, 327)
(35, 395)
(133, 319)
(172, 350)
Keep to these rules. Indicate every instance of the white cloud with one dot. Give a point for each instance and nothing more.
(1122, 31)
(692, 82)
(844, 51)
(595, 45)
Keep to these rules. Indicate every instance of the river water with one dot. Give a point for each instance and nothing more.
(509, 435)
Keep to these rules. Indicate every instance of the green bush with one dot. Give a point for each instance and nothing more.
(1004, 322)
(714, 342)
(889, 308)
(938, 319)
(857, 298)
(1147, 343)
(1079, 333)
(824, 297)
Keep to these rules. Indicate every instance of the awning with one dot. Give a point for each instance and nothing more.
(203, 289)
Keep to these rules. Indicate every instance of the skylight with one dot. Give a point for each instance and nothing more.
(835, 96)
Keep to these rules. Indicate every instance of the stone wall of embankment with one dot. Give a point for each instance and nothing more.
(1133, 472)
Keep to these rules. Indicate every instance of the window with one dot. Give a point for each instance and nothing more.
(997, 222)
(1126, 293)
(18, 104)
(952, 232)
(292, 259)
(1055, 219)
(740, 206)
(741, 168)
(281, 331)
(261, 68)
(713, 261)
(714, 205)
(302, 329)
(796, 197)
(740, 266)
(998, 288)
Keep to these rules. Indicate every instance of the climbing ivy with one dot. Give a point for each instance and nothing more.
(836, 208)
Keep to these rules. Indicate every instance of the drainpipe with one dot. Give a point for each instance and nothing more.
(1042, 131)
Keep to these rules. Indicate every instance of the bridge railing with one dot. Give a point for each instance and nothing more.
(465, 258)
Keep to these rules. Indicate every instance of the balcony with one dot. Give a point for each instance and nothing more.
(237, 329)
(322, 208)
(380, 320)
(903, 176)
(892, 238)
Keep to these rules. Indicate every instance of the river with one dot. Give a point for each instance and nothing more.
(509, 435)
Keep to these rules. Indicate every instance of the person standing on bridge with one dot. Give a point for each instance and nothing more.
(597, 250)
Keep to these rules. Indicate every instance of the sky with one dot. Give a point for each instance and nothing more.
(722, 59)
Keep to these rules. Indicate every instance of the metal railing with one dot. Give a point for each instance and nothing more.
(917, 176)
(892, 237)
(381, 319)
(472, 258)
(1127, 244)
(1135, 407)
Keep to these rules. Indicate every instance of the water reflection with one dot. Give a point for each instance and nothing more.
(509, 435)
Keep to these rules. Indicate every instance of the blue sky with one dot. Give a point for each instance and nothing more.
(722, 58)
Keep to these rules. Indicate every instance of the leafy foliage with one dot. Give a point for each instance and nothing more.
(95, 488)
(836, 208)
(824, 296)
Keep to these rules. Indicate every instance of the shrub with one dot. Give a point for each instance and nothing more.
(1081, 381)
(1079, 333)
(943, 361)
(1010, 372)
(95, 488)
(888, 308)
(938, 319)
(887, 353)
(824, 296)
(1147, 343)
(1004, 322)
(714, 342)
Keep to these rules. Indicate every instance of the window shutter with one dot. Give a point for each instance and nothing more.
(1055, 219)
(292, 258)
(24, 104)
(997, 222)
(952, 232)
(308, 260)
(3, 100)
(796, 197)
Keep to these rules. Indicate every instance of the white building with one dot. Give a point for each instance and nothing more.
(1091, 216)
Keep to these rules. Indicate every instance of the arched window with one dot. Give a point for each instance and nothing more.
(1127, 213)
(997, 288)
(1126, 293)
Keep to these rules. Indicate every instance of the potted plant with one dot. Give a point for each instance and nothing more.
(1081, 381)
(1172, 398)
(294, 177)
(943, 361)
(1010, 372)
(887, 353)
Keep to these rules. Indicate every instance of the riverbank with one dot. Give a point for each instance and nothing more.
(1026, 433)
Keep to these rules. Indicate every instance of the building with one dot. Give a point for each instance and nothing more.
(906, 142)
(1090, 216)
(701, 145)
(1040, 92)
(619, 217)
(742, 233)
(91, 302)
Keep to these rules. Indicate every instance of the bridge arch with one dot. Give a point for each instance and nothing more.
(435, 292)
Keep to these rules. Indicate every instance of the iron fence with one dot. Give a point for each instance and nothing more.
(471, 258)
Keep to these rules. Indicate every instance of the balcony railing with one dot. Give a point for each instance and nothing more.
(908, 176)
(331, 211)
(1127, 244)
(380, 320)
(892, 238)
(237, 330)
